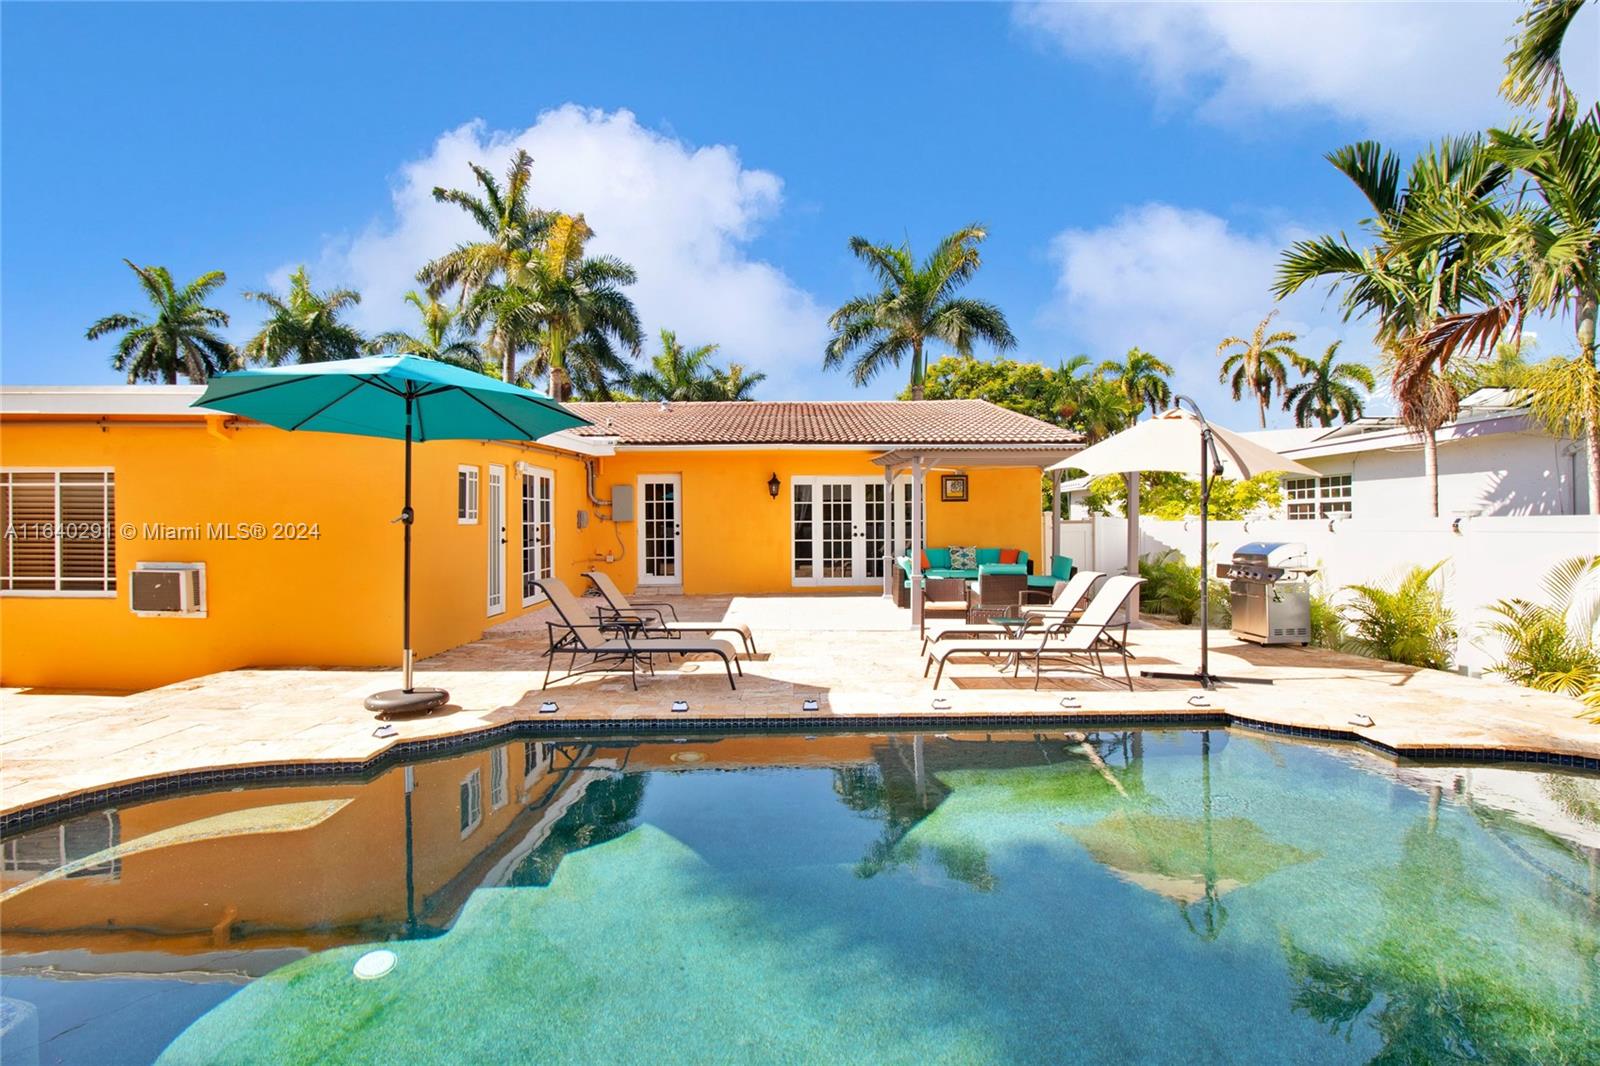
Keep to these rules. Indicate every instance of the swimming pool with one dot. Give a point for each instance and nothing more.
(1118, 897)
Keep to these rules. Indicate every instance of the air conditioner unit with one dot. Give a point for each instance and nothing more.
(158, 589)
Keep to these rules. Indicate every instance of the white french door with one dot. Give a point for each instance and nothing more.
(495, 522)
(660, 530)
(837, 530)
(538, 530)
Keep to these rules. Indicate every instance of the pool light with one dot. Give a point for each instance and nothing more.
(374, 964)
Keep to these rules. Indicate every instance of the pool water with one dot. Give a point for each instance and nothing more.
(1155, 896)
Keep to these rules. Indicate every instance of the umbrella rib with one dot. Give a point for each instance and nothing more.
(327, 405)
(504, 418)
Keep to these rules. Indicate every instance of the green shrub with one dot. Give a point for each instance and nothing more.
(1172, 587)
(1327, 623)
(1554, 645)
(1408, 623)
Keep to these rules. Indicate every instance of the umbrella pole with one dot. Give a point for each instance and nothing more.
(407, 699)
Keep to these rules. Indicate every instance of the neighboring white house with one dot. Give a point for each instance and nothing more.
(1494, 460)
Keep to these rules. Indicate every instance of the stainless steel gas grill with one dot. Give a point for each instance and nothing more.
(1269, 592)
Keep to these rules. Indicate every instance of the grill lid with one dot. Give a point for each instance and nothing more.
(1278, 553)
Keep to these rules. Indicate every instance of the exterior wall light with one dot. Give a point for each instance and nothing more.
(773, 485)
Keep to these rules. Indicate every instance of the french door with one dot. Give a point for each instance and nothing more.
(660, 530)
(838, 526)
(495, 523)
(538, 530)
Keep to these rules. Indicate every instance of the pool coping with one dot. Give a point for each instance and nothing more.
(86, 800)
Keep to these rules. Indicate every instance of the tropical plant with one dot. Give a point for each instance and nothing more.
(1172, 587)
(1407, 623)
(1030, 388)
(1260, 365)
(1533, 66)
(304, 326)
(735, 383)
(513, 233)
(1405, 286)
(914, 305)
(1328, 390)
(677, 373)
(1142, 379)
(1327, 623)
(1097, 409)
(444, 336)
(1553, 645)
(178, 336)
(1504, 368)
(1172, 496)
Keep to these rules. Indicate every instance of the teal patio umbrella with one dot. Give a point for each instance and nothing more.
(401, 397)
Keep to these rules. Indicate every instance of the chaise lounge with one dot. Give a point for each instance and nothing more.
(610, 644)
(651, 618)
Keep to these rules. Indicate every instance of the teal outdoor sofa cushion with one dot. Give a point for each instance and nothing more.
(988, 562)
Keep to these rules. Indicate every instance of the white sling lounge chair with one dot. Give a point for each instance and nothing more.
(648, 619)
(1084, 639)
(1067, 601)
(609, 644)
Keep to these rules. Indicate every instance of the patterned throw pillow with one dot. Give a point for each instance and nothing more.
(963, 558)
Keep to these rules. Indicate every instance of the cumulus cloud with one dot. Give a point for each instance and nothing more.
(1420, 69)
(682, 215)
(1175, 282)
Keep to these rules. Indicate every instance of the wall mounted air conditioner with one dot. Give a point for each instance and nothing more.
(159, 590)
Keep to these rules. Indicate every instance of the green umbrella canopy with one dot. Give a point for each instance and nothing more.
(367, 397)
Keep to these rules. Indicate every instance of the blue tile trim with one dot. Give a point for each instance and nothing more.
(616, 729)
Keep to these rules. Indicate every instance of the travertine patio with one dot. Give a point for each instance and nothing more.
(854, 654)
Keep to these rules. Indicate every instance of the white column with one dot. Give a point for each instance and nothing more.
(890, 534)
(915, 547)
(1133, 543)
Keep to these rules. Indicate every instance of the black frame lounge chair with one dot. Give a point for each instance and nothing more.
(616, 645)
(651, 618)
(1067, 602)
(1084, 639)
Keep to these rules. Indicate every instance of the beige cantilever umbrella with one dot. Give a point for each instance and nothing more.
(1186, 443)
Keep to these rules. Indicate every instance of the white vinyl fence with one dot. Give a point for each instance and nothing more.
(1486, 559)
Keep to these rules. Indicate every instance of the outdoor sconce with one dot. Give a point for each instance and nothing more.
(773, 485)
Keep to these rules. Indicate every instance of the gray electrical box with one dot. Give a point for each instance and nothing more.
(622, 503)
(583, 519)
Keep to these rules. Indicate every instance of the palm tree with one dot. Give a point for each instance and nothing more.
(1407, 289)
(916, 304)
(735, 383)
(1533, 66)
(1258, 367)
(304, 326)
(584, 312)
(1097, 410)
(178, 337)
(677, 373)
(513, 234)
(444, 336)
(1142, 379)
(1328, 391)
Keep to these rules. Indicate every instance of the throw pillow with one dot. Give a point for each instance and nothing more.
(1009, 555)
(925, 564)
(963, 558)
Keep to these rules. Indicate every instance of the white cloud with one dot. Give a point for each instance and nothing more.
(1421, 69)
(1175, 282)
(683, 216)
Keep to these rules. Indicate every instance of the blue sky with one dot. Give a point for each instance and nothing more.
(1138, 167)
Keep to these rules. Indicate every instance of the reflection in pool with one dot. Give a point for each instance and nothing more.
(1125, 896)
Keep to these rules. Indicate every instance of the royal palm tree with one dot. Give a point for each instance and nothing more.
(444, 336)
(304, 326)
(915, 304)
(1097, 410)
(584, 314)
(1260, 365)
(1533, 66)
(676, 372)
(1329, 390)
(735, 383)
(1142, 379)
(1405, 288)
(177, 336)
(514, 232)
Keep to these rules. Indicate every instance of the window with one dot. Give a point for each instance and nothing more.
(467, 495)
(71, 842)
(471, 802)
(1313, 497)
(497, 779)
(535, 757)
(60, 532)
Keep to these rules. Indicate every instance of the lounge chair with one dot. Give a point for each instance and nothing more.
(1086, 638)
(610, 643)
(1068, 601)
(652, 618)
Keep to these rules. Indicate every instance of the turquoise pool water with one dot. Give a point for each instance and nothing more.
(1164, 896)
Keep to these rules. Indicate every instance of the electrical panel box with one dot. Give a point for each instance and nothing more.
(622, 503)
(583, 519)
(168, 589)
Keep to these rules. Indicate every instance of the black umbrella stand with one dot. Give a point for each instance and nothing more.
(408, 699)
(1210, 467)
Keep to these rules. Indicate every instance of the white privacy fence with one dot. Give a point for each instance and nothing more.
(1486, 559)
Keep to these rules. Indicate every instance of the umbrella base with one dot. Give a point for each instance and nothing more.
(399, 701)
